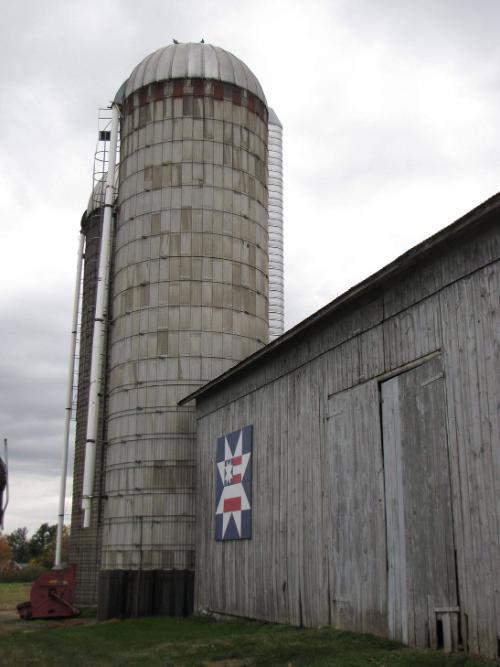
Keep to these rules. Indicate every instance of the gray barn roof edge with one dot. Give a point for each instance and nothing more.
(402, 263)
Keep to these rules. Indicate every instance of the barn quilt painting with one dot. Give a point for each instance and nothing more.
(233, 504)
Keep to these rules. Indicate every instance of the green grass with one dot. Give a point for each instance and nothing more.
(201, 642)
(12, 594)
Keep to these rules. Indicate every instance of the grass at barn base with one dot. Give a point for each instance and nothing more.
(202, 642)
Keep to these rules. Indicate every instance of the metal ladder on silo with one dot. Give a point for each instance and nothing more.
(101, 156)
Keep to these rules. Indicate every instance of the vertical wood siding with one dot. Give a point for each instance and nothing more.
(471, 326)
(353, 487)
(318, 553)
(420, 544)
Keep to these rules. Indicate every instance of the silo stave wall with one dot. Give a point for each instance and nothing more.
(190, 299)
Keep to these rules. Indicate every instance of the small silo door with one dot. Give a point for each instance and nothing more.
(422, 585)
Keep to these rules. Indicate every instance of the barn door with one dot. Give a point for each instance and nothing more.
(422, 587)
(353, 492)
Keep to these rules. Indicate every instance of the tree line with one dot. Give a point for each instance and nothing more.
(37, 550)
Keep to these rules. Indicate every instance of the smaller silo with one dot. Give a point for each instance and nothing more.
(275, 210)
(84, 543)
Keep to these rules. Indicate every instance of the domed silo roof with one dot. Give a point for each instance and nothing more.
(273, 118)
(192, 61)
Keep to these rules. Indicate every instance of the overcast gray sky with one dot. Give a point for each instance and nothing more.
(391, 114)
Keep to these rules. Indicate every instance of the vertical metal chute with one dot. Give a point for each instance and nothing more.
(69, 401)
(100, 324)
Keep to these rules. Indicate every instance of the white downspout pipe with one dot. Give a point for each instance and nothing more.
(69, 402)
(100, 324)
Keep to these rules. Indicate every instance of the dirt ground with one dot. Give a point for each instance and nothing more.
(10, 622)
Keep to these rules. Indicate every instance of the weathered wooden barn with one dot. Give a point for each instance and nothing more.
(376, 456)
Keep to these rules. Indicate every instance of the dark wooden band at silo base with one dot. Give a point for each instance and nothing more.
(130, 593)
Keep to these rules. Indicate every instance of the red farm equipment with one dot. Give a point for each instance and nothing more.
(52, 596)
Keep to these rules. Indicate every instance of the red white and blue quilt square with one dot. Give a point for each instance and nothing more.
(233, 491)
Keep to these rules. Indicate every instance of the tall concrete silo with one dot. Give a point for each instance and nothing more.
(188, 298)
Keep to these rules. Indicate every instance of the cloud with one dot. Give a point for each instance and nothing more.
(33, 500)
(390, 115)
(33, 370)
